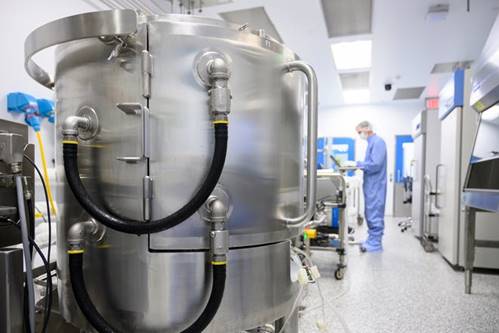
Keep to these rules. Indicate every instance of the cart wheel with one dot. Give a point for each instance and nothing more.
(428, 247)
(339, 273)
(360, 220)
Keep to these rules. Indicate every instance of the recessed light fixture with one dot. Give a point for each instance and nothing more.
(357, 96)
(353, 55)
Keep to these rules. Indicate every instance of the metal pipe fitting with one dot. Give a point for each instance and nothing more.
(85, 231)
(72, 124)
(220, 95)
(219, 236)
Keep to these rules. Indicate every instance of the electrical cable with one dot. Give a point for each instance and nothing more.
(137, 227)
(45, 171)
(26, 250)
(45, 190)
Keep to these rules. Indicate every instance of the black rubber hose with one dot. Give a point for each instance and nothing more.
(211, 308)
(70, 153)
(82, 298)
(102, 326)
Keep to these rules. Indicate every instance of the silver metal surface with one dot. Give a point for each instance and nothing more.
(161, 282)
(11, 290)
(96, 24)
(312, 119)
(12, 150)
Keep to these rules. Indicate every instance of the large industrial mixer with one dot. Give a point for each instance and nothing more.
(180, 150)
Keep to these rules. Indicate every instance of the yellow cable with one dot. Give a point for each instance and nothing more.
(45, 172)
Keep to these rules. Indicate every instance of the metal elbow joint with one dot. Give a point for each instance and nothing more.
(219, 236)
(85, 231)
(72, 124)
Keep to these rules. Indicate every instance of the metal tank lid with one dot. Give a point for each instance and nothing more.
(223, 29)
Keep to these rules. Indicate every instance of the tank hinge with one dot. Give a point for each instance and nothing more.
(147, 193)
(146, 73)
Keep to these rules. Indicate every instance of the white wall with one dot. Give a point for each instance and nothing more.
(17, 19)
(389, 120)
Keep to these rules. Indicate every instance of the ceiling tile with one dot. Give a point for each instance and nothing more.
(408, 93)
(354, 81)
(347, 17)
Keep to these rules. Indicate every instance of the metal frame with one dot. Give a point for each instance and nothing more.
(342, 229)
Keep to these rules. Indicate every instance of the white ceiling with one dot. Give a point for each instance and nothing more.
(405, 45)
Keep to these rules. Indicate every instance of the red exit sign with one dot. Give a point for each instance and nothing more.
(432, 103)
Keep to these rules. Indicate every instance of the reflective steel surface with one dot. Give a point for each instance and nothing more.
(142, 283)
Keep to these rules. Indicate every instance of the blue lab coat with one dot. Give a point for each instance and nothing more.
(374, 167)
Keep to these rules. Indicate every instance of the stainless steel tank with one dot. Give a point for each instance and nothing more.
(114, 66)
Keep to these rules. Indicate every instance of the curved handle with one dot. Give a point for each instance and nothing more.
(312, 106)
(437, 187)
(88, 25)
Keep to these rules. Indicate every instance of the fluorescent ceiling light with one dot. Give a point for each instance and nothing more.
(352, 55)
(491, 114)
(357, 96)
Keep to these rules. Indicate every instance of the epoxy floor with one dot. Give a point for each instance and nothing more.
(402, 289)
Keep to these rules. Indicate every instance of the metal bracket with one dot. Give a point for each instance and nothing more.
(136, 109)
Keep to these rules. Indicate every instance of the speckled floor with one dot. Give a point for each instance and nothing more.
(402, 289)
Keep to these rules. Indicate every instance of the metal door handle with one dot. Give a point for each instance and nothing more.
(135, 109)
(311, 142)
(437, 187)
(88, 25)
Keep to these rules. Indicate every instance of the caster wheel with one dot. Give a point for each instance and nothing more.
(339, 274)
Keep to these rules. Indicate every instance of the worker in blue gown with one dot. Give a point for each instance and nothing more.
(374, 168)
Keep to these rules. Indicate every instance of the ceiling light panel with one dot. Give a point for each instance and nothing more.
(347, 17)
(353, 55)
(256, 18)
(354, 81)
(408, 93)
